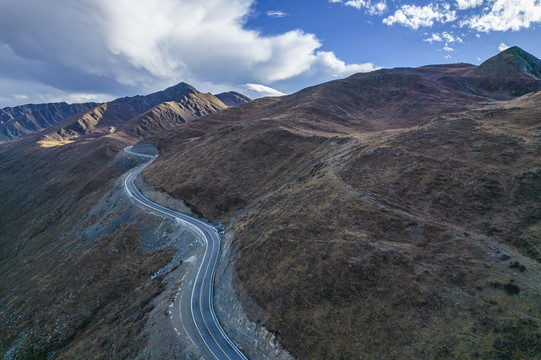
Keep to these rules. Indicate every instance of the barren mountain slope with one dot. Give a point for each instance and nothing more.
(74, 276)
(57, 284)
(172, 113)
(394, 214)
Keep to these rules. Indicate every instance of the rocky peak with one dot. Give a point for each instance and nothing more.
(511, 62)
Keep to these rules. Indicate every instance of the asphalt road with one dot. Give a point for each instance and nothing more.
(202, 306)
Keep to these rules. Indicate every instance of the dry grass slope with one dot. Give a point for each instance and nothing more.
(386, 215)
(56, 287)
(63, 294)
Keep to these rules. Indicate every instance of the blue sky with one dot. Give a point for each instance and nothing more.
(357, 35)
(97, 50)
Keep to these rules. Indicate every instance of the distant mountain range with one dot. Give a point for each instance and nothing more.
(511, 73)
(25, 119)
(90, 117)
(175, 105)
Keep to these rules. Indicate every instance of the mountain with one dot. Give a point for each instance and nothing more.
(84, 119)
(511, 73)
(171, 113)
(511, 62)
(25, 119)
(170, 107)
(233, 98)
(391, 214)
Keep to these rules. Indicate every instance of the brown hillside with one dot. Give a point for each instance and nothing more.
(390, 215)
(511, 62)
(394, 214)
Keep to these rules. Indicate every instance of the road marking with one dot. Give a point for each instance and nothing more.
(182, 321)
(201, 294)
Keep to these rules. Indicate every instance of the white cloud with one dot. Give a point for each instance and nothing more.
(285, 56)
(128, 47)
(357, 4)
(276, 13)
(478, 58)
(448, 57)
(327, 61)
(467, 4)
(443, 37)
(449, 38)
(371, 7)
(489, 15)
(35, 92)
(434, 37)
(477, 36)
(414, 16)
(263, 90)
(446, 38)
(324, 67)
(503, 46)
(378, 8)
(504, 15)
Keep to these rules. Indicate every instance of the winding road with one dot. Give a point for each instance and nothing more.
(202, 307)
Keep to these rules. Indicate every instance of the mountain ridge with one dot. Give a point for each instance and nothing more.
(107, 118)
(87, 118)
(511, 73)
(25, 119)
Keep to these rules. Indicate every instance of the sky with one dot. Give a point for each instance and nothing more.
(98, 50)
